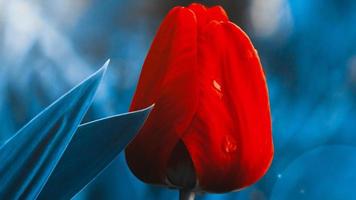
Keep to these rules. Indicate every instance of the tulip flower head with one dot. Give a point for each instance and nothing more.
(210, 129)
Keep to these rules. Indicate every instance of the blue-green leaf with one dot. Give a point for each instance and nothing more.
(29, 157)
(93, 147)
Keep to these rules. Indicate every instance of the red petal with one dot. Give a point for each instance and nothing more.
(230, 139)
(200, 12)
(168, 78)
(217, 13)
(204, 15)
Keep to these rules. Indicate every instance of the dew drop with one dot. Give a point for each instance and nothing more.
(217, 85)
(217, 88)
(229, 145)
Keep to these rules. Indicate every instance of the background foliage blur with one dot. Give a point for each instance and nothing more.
(308, 50)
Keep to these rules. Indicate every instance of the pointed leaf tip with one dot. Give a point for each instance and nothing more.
(99, 74)
(107, 62)
(91, 150)
(29, 157)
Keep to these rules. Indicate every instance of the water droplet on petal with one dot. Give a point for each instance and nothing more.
(229, 145)
(217, 85)
(217, 88)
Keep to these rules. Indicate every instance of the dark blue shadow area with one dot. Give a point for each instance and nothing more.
(326, 173)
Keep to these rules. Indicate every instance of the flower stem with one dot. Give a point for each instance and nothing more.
(186, 194)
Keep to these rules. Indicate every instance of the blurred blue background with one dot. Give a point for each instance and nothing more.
(308, 50)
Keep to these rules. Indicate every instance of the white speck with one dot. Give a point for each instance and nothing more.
(217, 85)
(279, 175)
(217, 88)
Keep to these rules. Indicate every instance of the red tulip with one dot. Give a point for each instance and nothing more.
(210, 129)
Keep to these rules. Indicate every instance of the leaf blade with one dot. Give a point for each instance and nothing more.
(29, 157)
(77, 169)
